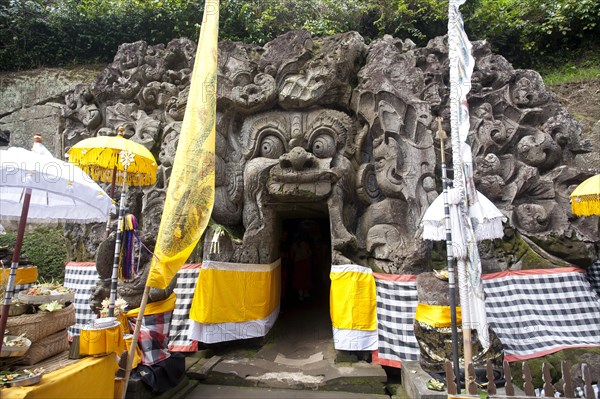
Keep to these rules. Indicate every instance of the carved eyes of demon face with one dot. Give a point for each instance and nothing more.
(323, 146)
(272, 147)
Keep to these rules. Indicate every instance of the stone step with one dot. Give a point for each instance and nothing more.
(311, 373)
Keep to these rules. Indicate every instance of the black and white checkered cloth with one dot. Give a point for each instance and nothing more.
(535, 313)
(23, 287)
(180, 323)
(153, 337)
(593, 275)
(396, 305)
(81, 277)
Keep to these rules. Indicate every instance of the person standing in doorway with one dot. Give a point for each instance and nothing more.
(302, 278)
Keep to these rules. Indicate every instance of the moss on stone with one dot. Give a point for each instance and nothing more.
(571, 356)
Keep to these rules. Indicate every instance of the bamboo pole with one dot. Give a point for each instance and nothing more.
(116, 258)
(136, 333)
(10, 286)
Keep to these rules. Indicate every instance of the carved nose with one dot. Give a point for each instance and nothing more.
(298, 159)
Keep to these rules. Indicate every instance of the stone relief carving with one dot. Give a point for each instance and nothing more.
(334, 128)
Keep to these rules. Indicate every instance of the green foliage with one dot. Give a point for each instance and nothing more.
(61, 32)
(533, 32)
(419, 20)
(44, 247)
(260, 22)
(586, 68)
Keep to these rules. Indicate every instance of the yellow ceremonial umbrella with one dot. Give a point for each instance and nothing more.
(99, 157)
(585, 199)
(115, 159)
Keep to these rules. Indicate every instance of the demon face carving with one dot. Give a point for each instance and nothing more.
(297, 158)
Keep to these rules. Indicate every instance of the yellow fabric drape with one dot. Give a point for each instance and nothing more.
(90, 378)
(98, 342)
(436, 315)
(231, 293)
(190, 196)
(166, 305)
(352, 299)
(25, 275)
(137, 356)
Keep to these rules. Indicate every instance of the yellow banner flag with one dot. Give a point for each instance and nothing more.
(190, 196)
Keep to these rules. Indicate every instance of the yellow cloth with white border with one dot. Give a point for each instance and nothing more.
(436, 315)
(102, 341)
(234, 292)
(352, 299)
(90, 378)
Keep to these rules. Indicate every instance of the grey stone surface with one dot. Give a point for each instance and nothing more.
(24, 123)
(24, 89)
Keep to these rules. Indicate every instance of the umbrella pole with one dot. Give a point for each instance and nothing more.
(134, 340)
(110, 194)
(10, 286)
(115, 271)
(441, 135)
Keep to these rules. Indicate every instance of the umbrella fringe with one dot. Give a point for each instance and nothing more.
(53, 221)
(133, 179)
(489, 229)
(135, 176)
(586, 206)
(434, 230)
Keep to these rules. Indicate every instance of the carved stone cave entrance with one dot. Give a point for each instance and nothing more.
(309, 314)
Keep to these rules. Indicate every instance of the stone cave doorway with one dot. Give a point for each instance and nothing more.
(304, 321)
(306, 261)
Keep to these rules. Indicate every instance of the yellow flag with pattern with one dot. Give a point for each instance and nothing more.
(190, 195)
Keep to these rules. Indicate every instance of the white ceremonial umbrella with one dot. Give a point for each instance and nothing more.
(36, 187)
(485, 217)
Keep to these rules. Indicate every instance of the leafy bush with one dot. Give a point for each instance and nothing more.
(44, 247)
(535, 32)
(60, 32)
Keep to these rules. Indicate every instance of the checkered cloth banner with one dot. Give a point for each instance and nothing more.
(396, 305)
(533, 312)
(81, 277)
(153, 336)
(537, 312)
(593, 276)
(180, 323)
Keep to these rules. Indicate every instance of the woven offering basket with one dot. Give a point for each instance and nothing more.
(14, 351)
(42, 324)
(16, 309)
(41, 299)
(45, 348)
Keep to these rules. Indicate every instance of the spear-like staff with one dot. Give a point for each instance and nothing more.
(441, 135)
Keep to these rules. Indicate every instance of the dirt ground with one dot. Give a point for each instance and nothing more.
(582, 100)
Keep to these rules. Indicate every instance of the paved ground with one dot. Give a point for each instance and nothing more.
(297, 356)
(228, 392)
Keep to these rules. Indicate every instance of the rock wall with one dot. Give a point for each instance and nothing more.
(31, 102)
(334, 128)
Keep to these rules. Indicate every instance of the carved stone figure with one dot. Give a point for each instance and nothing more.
(332, 128)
